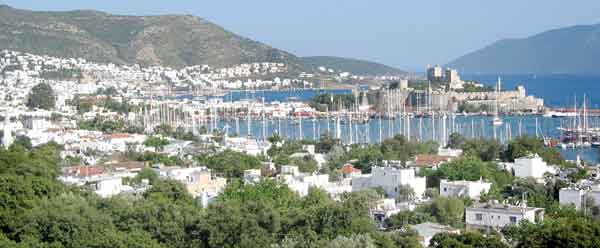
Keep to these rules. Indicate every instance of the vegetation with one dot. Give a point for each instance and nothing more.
(36, 210)
(103, 124)
(469, 168)
(156, 142)
(472, 108)
(41, 97)
(229, 163)
(472, 87)
(61, 74)
(466, 240)
(354, 66)
(526, 145)
(331, 102)
(180, 40)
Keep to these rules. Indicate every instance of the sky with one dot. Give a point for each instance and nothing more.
(405, 34)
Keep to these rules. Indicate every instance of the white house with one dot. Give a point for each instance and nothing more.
(301, 182)
(449, 152)
(471, 189)
(252, 176)
(496, 215)
(108, 186)
(532, 167)
(578, 196)
(390, 179)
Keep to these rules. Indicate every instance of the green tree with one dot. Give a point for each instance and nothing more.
(466, 240)
(405, 193)
(406, 218)
(560, 232)
(41, 96)
(486, 150)
(449, 211)
(456, 141)
(305, 164)
(158, 143)
(355, 241)
(230, 163)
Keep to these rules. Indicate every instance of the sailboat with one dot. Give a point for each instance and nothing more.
(497, 121)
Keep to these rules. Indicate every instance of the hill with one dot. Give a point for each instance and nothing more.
(572, 50)
(171, 40)
(354, 66)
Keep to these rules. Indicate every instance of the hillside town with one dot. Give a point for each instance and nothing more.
(119, 135)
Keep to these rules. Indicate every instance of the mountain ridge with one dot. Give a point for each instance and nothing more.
(169, 40)
(352, 65)
(568, 50)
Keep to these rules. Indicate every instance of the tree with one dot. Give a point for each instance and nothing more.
(42, 97)
(559, 232)
(354, 241)
(305, 164)
(158, 143)
(23, 141)
(449, 211)
(405, 193)
(366, 157)
(405, 218)
(456, 141)
(146, 174)
(230, 163)
(468, 168)
(467, 240)
(486, 150)
(526, 145)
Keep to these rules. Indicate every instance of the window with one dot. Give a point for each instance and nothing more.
(479, 216)
(513, 219)
(445, 189)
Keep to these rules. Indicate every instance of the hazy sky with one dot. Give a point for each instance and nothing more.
(405, 34)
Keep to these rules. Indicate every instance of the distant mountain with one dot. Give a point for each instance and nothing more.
(354, 66)
(572, 50)
(171, 40)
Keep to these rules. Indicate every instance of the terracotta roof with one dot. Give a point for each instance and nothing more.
(119, 135)
(85, 171)
(430, 160)
(349, 169)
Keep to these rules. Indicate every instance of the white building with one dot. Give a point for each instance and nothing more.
(449, 152)
(532, 167)
(578, 196)
(390, 179)
(252, 176)
(301, 182)
(108, 186)
(7, 137)
(471, 189)
(496, 216)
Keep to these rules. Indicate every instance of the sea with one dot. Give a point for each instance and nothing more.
(557, 90)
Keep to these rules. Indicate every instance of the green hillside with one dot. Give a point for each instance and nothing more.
(354, 66)
(172, 40)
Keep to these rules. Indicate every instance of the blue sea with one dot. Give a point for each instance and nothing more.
(557, 90)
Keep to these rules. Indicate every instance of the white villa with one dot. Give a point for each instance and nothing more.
(496, 215)
(390, 179)
(471, 189)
